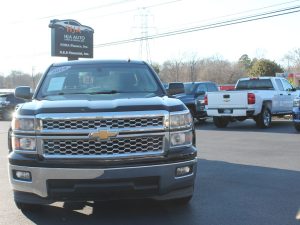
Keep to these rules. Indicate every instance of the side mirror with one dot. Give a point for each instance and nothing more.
(200, 93)
(23, 92)
(175, 88)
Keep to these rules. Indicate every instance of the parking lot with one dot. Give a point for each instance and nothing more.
(245, 176)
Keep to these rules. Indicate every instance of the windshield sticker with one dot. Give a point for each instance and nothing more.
(56, 84)
(61, 69)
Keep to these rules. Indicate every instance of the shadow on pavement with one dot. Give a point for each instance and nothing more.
(278, 126)
(225, 194)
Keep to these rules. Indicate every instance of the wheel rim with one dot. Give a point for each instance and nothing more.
(267, 118)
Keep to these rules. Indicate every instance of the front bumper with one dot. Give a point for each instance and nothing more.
(70, 184)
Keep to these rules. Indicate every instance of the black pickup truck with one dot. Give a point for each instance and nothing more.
(194, 95)
(101, 130)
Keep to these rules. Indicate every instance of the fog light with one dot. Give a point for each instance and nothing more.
(182, 171)
(22, 175)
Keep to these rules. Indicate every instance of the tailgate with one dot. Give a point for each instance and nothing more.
(227, 99)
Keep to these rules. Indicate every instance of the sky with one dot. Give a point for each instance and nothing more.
(26, 38)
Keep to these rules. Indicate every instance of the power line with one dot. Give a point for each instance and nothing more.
(197, 28)
(87, 9)
(74, 12)
(245, 19)
(95, 8)
(239, 13)
(133, 10)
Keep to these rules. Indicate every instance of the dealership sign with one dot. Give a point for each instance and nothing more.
(71, 39)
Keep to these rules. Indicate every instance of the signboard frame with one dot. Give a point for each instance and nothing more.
(71, 39)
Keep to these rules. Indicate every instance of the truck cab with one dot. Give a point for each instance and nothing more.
(101, 130)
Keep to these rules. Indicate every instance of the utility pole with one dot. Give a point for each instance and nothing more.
(32, 76)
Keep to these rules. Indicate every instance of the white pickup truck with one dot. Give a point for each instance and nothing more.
(256, 98)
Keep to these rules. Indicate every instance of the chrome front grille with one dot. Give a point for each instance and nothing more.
(118, 123)
(123, 146)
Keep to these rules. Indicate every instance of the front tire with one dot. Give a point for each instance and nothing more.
(220, 122)
(264, 119)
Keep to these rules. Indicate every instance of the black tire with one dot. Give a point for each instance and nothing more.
(264, 119)
(27, 207)
(220, 122)
(192, 111)
(297, 126)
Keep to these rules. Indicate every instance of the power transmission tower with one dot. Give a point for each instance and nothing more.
(144, 49)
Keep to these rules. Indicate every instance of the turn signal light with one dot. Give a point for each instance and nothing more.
(205, 100)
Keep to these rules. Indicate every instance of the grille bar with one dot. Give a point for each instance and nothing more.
(117, 147)
(115, 123)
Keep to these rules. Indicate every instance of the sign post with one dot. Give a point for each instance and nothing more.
(71, 39)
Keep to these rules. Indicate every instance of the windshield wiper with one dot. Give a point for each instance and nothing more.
(64, 93)
(103, 92)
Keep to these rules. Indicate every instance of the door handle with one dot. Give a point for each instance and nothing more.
(289, 94)
(281, 94)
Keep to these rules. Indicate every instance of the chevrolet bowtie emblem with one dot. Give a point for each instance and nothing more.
(103, 134)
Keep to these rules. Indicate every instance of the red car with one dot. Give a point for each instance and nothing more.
(226, 87)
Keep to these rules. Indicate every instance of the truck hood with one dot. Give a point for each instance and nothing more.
(65, 105)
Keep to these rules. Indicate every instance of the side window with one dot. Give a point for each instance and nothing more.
(73, 24)
(279, 84)
(211, 87)
(286, 85)
(201, 87)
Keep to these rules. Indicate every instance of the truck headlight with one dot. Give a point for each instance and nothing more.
(296, 102)
(181, 139)
(180, 120)
(24, 143)
(26, 124)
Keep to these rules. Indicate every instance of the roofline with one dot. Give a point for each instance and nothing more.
(198, 82)
(97, 61)
(262, 77)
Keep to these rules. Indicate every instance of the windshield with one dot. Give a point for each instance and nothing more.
(99, 79)
(255, 84)
(189, 88)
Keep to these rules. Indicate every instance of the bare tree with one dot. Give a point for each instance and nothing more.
(172, 70)
(2, 81)
(192, 66)
(17, 78)
(292, 60)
